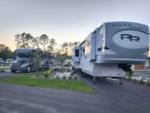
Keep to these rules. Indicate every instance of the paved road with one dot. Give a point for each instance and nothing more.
(109, 97)
(6, 74)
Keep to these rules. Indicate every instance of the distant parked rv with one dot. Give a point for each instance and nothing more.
(23, 60)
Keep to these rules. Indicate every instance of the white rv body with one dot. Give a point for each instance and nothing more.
(111, 45)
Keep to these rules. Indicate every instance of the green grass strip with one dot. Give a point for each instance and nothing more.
(26, 79)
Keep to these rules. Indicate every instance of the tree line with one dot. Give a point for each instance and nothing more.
(26, 40)
(43, 42)
(5, 52)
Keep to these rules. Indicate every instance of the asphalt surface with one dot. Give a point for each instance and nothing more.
(109, 97)
(6, 74)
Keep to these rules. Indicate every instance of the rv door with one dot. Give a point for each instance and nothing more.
(77, 55)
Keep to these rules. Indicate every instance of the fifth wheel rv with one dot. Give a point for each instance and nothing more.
(111, 49)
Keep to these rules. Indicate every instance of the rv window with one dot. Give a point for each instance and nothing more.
(77, 52)
(101, 30)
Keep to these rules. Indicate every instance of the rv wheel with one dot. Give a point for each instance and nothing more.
(120, 81)
(83, 74)
(13, 71)
(94, 80)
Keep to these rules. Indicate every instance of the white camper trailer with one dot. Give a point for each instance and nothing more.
(110, 49)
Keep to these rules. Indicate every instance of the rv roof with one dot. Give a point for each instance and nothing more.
(24, 51)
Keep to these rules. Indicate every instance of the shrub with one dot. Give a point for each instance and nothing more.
(75, 77)
(47, 73)
(141, 81)
(2, 70)
(63, 77)
(70, 77)
(50, 71)
(57, 77)
(148, 83)
(129, 74)
(67, 65)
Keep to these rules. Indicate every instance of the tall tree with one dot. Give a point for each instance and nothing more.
(52, 43)
(65, 47)
(29, 38)
(17, 40)
(43, 40)
(35, 42)
(70, 47)
(23, 40)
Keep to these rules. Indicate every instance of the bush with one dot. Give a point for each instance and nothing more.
(70, 77)
(63, 77)
(47, 73)
(75, 77)
(2, 70)
(50, 71)
(57, 77)
(141, 81)
(129, 74)
(67, 65)
(148, 83)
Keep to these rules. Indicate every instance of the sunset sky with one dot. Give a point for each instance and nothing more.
(65, 20)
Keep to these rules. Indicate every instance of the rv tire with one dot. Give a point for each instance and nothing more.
(120, 81)
(13, 71)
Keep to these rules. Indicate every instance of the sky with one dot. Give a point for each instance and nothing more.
(65, 20)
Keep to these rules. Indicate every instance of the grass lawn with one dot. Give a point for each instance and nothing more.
(26, 79)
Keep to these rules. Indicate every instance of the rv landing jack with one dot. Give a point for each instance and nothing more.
(76, 71)
(94, 80)
(120, 81)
